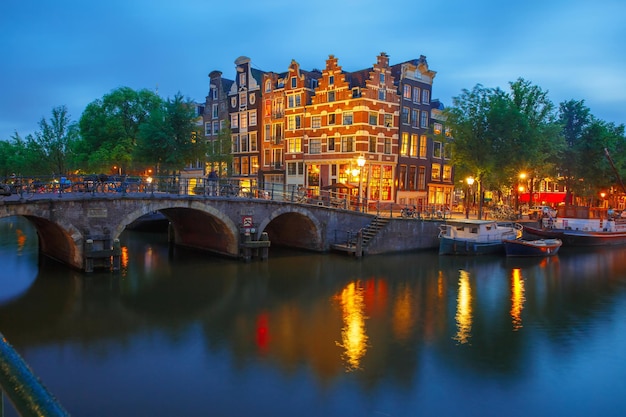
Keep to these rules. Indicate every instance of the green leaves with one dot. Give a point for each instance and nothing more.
(168, 137)
(498, 134)
(110, 126)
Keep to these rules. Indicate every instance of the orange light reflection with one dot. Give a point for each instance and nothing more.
(464, 309)
(353, 336)
(517, 298)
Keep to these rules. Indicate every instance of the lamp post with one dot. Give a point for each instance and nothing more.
(520, 189)
(360, 161)
(470, 182)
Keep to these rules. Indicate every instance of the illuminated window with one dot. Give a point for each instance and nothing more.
(435, 172)
(404, 148)
(413, 148)
(407, 92)
(423, 146)
(294, 145)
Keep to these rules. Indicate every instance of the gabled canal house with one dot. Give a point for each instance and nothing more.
(424, 174)
(369, 130)
(286, 98)
(353, 137)
(216, 118)
(245, 100)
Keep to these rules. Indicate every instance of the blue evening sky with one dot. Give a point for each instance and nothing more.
(71, 52)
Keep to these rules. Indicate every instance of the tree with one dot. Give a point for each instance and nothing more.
(109, 127)
(219, 152)
(55, 141)
(168, 138)
(574, 118)
(498, 134)
(594, 168)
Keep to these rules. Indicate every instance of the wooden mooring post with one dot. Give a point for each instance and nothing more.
(102, 252)
(249, 247)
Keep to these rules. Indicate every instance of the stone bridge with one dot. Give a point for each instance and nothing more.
(67, 223)
(72, 227)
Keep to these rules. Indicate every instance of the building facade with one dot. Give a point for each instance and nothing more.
(244, 103)
(369, 134)
(216, 119)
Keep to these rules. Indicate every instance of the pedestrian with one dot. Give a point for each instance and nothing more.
(212, 182)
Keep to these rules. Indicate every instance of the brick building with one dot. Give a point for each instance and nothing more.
(368, 133)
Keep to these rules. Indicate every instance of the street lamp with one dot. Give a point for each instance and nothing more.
(470, 182)
(520, 188)
(360, 161)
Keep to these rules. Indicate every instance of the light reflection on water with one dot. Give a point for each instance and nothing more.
(464, 309)
(517, 298)
(323, 335)
(353, 335)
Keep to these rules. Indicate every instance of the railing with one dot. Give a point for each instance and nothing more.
(26, 392)
(99, 185)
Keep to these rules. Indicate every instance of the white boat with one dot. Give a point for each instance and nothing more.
(475, 237)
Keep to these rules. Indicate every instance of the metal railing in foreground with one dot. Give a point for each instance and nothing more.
(25, 391)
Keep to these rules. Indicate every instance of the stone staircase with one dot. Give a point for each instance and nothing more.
(352, 244)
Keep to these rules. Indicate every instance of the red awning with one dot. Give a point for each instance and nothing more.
(545, 197)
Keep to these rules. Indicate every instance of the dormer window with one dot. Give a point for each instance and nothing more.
(331, 79)
(382, 78)
(268, 86)
(294, 82)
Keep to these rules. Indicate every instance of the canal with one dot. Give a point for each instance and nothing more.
(180, 333)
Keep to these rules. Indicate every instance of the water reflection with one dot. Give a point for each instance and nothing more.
(464, 309)
(309, 335)
(517, 298)
(353, 335)
(18, 258)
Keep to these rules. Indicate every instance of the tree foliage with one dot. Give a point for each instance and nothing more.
(109, 128)
(48, 151)
(499, 134)
(168, 138)
(55, 141)
(219, 152)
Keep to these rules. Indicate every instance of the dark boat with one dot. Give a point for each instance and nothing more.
(539, 247)
(583, 234)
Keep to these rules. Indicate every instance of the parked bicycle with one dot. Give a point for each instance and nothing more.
(409, 212)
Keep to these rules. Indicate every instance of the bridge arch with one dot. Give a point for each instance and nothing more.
(60, 241)
(194, 224)
(294, 226)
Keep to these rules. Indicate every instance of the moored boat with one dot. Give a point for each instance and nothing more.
(475, 237)
(538, 247)
(581, 232)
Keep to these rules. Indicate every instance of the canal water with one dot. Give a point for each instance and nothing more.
(180, 333)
